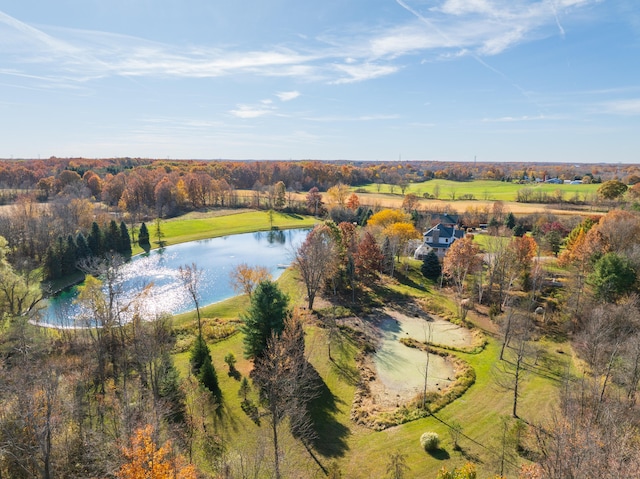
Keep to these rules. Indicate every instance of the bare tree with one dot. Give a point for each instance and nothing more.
(287, 385)
(510, 373)
(245, 278)
(427, 340)
(190, 276)
(397, 467)
(316, 260)
(460, 261)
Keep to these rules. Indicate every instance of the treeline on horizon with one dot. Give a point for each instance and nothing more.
(300, 175)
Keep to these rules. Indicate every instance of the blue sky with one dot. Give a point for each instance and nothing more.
(500, 80)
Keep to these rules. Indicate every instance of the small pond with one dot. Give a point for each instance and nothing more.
(401, 369)
(215, 257)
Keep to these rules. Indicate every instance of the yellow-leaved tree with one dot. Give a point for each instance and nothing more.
(387, 217)
(145, 460)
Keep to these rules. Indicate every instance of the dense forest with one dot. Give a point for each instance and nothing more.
(550, 298)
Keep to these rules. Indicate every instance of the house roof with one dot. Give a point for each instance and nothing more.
(445, 218)
(444, 232)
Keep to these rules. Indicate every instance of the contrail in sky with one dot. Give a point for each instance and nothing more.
(430, 24)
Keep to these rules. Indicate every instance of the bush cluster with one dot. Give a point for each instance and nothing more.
(430, 441)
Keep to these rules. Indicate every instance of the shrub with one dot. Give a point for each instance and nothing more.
(430, 441)
(230, 359)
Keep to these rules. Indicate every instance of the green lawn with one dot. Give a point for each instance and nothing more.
(195, 227)
(481, 189)
(363, 453)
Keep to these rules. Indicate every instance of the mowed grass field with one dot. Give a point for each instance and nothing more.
(197, 226)
(483, 189)
(361, 452)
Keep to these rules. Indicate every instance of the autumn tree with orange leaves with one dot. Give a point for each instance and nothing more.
(353, 202)
(145, 460)
(245, 278)
(462, 259)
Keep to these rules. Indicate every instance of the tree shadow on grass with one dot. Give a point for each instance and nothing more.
(347, 373)
(294, 216)
(223, 416)
(469, 456)
(407, 281)
(331, 436)
(440, 454)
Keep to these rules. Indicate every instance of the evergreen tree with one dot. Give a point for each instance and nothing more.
(613, 275)
(95, 240)
(143, 236)
(208, 377)
(199, 354)
(69, 256)
(510, 221)
(52, 263)
(168, 389)
(518, 230)
(112, 238)
(431, 267)
(83, 250)
(125, 240)
(266, 315)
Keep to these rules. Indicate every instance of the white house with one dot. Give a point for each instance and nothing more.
(439, 239)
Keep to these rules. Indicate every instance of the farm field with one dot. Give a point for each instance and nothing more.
(483, 189)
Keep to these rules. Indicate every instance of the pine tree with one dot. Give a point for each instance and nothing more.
(143, 236)
(266, 316)
(431, 268)
(83, 248)
(518, 230)
(125, 240)
(510, 221)
(112, 238)
(168, 389)
(199, 354)
(69, 256)
(52, 263)
(208, 377)
(95, 240)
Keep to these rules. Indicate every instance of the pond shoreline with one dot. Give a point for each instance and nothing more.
(215, 257)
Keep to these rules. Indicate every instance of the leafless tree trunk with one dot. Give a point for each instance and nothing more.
(287, 385)
(190, 276)
(316, 260)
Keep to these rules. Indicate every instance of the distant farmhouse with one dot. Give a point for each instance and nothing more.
(439, 238)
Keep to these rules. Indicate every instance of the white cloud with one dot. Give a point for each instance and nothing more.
(248, 111)
(512, 119)
(362, 72)
(623, 107)
(332, 119)
(288, 95)
(447, 29)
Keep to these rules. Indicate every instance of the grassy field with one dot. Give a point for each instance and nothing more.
(482, 189)
(196, 226)
(361, 452)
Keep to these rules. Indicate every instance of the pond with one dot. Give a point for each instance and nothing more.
(400, 369)
(215, 257)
